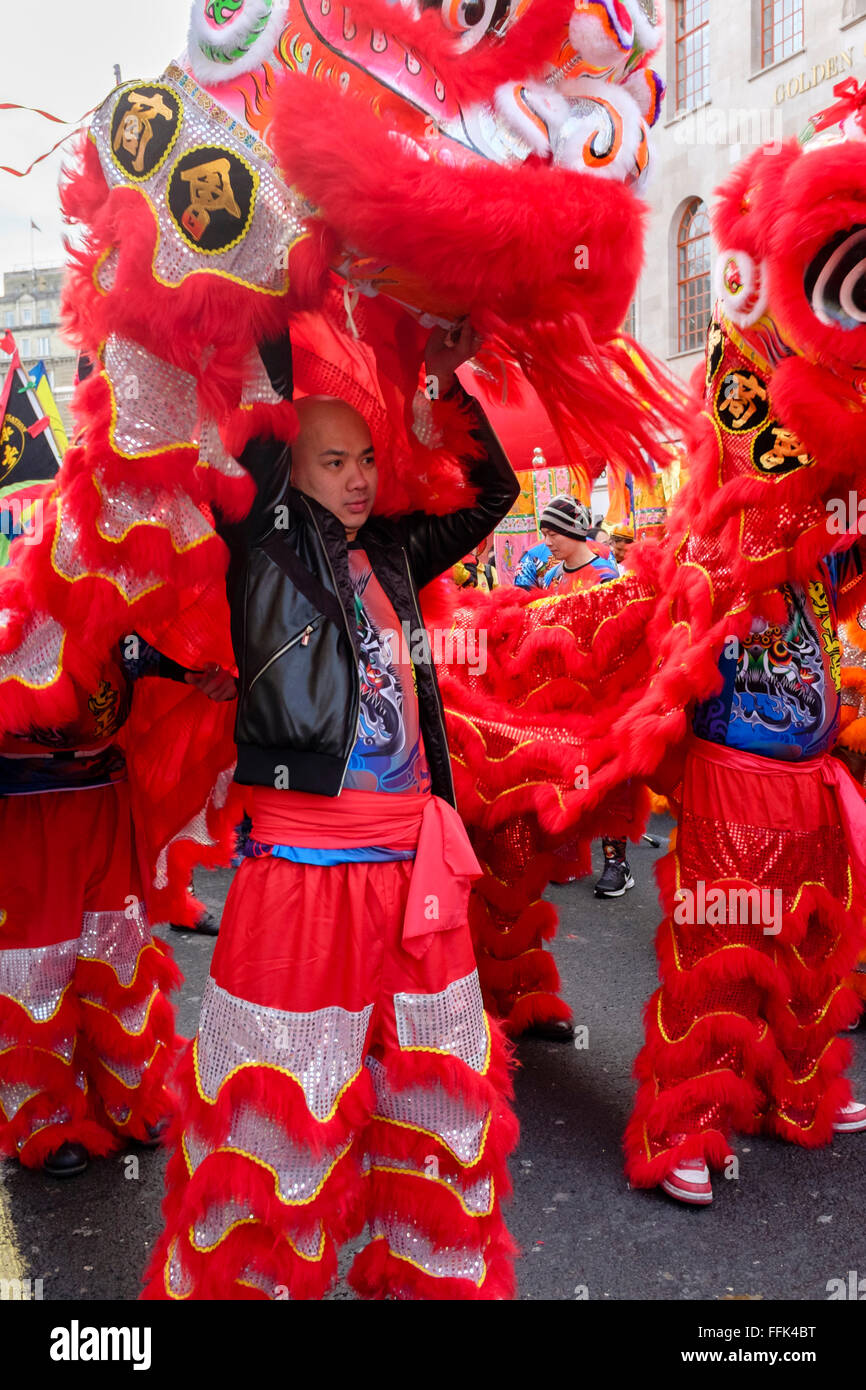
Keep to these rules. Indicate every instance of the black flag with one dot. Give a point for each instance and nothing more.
(28, 452)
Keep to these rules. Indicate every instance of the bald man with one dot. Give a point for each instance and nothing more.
(345, 1073)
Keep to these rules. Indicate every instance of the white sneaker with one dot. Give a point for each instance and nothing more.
(850, 1117)
(689, 1182)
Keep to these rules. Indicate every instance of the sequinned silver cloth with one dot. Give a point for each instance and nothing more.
(324, 1051)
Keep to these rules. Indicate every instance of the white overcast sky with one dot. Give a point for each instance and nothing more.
(60, 57)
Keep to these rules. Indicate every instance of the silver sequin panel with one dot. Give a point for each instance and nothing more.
(107, 272)
(68, 563)
(36, 978)
(124, 507)
(260, 1281)
(257, 384)
(451, 1262)
(431, 1108)
(36, 659)
(322, 1049)
(131, 1019)
(476, 1196)
(221, 1216)
(13, 1096)
(452, 1021)
(116, 939)
(179, 1281)
(299, 1174)
(130, 1073)
(195, 828)
(61, 1047)
(61, 1116)
(217, 1221)
(212, 451)
(259, 259)
(155, 403)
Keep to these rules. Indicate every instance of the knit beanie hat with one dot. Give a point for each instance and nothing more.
(567, 517)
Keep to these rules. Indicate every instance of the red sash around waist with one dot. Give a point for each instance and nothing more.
(832, 772)
(444, 864)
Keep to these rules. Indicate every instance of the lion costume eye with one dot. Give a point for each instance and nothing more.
(472, 19)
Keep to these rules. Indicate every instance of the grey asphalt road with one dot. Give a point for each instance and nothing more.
(791, 1222)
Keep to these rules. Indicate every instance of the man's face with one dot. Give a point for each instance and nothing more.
(619, 545)
(561, 547)
(333, 460)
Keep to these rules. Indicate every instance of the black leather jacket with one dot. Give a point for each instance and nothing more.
(293, 620)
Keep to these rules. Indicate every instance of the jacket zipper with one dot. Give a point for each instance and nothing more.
(439, 705)
(302, 637)
(351, 642)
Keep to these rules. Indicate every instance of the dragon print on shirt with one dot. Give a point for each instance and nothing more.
(389, 751)
(381, 728)
(780, 681)
(780, 697)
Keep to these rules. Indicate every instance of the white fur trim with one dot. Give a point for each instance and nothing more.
(649, 35)
(211, 72)
(745, 306)
(579, 128)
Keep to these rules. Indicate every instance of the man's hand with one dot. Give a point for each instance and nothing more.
(447, 349)
(214, 681)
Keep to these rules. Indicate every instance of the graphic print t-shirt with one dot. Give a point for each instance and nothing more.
(781, 694)
(563, 581)
(389, 752)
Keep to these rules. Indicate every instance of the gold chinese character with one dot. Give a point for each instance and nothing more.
(135, 130)
(102, 706)
(209, 190)
(786, 446)
(741, 392)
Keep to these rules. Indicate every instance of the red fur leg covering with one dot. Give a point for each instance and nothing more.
(510, 923)
(742, 1033)
(438, 1147)
(260, 1191)
(94, 1071)
(128, 1042)
(44, 1100)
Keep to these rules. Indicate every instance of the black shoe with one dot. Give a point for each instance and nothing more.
(207, 925)
(155, 1133)
(554, 1030)
(67, 1161)
(616, 874)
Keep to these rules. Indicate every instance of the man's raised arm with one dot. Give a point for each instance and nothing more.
(435, 543)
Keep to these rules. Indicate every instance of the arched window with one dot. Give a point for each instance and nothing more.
(781, 30)
(694, 289)
(693, 53)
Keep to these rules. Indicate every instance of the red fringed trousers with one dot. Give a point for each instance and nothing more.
(86, 1031)
(743, 1032)
(337, 1080)
(511, 921)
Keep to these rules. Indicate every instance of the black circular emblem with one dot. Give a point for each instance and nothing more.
(211, 197)
(777, 450)
(741, 401)
(145, 124)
